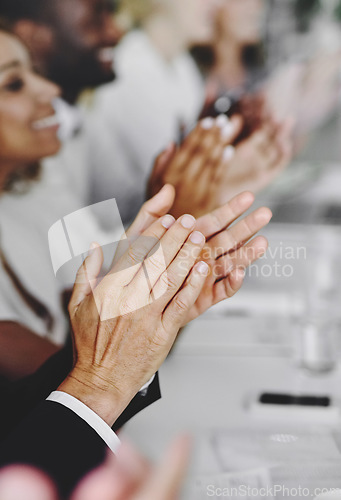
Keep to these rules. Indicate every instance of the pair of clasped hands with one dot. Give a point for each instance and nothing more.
(165, 273)
(210, 167)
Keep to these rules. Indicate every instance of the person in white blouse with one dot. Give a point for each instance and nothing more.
(157, 98)
(158, 95)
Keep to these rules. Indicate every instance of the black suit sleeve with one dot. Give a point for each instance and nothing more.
(18, 399)
(57, 441)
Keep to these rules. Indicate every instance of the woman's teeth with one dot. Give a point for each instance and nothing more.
(50, 121)
(106, 55)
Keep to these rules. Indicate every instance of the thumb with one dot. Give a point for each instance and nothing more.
(152, 210)
(163, 159)
(86, 276)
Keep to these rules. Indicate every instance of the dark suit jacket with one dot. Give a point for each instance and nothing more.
(46, 434)
(58, 442)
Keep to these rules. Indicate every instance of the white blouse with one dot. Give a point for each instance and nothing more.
(136, 117)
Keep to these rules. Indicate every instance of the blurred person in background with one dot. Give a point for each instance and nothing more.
(107, 156)
(70, 44)
(156, 99)
(157, 96)
(310, 51)
(235, 60)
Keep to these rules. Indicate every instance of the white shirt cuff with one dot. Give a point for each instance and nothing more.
(143, 389)
(89, 416)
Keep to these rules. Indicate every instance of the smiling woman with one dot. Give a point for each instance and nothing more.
(28, 125)
(28, 133)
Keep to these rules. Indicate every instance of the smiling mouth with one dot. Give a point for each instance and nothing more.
(48, 122)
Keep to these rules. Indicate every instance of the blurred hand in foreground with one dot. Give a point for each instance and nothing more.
(127, 476)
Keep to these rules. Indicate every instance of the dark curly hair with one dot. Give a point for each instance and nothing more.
(13, 10)
(19, 181)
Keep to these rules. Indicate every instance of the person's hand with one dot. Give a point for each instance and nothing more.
(198, 167)
(125, 476)
(228, 250)
(259, 160)
(125, 326)
(252, 109)
(129, 477)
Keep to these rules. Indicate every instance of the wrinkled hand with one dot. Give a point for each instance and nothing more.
(198, 167)
(125, 325)
(260, 159)
(228, 250)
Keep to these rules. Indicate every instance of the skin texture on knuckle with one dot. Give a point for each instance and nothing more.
(156, 261)
(181, 305)
(136, 254)
(170, 281)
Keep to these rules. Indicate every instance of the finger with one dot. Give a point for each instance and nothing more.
(260, 139)
(171, 243)
(229, 286)
(238, 234)
(86, 276)
(241, 258)
(218, 220)
(212, 151)
(167, 479)
(150, 212)
(176, 274)
(160, 170)
(197, 147)
(177, 312)
(18, 482)
(190, 145)
(164, 158)
(221, 169)
(285, 139)
(148, 243)
(230, 128)
(238, 123)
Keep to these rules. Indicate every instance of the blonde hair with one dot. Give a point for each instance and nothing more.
(133, 13)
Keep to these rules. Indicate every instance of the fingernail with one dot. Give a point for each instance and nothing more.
(187, 221)
(197, 238)
(228, 153)
(227, 131)
(207, 123)
(202, 268)
(222, 121)
(167, 221)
